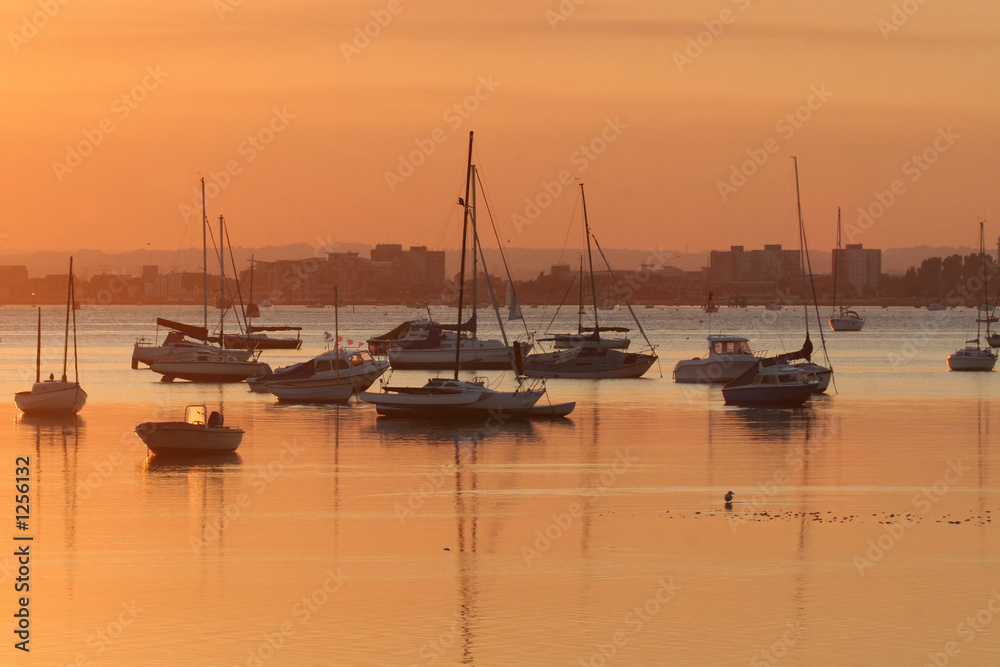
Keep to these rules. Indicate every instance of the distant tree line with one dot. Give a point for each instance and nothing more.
(956, 279)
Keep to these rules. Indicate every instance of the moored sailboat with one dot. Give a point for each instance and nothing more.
(587, 357)
(217, 364)
(822, 374)
(452, 398)
(55, 397)
(974, 356)
(846, 319)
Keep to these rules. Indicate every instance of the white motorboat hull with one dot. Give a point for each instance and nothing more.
(711, 370)
(221, 370)
(838, 323)
(330, 377)
(51, 398)
(784, 386)
(604, 364)
(778, 396)
(182, 437)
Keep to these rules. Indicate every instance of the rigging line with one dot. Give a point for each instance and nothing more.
(477, 245)
(562, 302)
(812, 282)
(562, 251)
(628, 304)
(503, 257)
(242, 311)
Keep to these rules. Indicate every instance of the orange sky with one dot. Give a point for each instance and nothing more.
(201, 77)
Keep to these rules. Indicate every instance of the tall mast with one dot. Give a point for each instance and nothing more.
(204, 252)
(222, 287)
(72, 289)
(475, 242)
(590, 259)
(986, 285)
(579, 311)
(69, 307)
(837, 262)
(461, 268)
(802, 246)
(251, 306)
(336, 331)
(38, 349)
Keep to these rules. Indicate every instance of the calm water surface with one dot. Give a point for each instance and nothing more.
(861, 534)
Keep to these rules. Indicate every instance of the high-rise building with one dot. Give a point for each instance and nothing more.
(857, 270)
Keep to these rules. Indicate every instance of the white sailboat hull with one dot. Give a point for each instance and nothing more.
(452, 399)
(51, 398)
(214, 370)
(149, 354)
(972, 359)
(846, 323)
(588, 364)
(475, 355)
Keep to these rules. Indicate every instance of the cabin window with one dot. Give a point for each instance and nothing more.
(340, 364)
(730, 347)
(323, 365)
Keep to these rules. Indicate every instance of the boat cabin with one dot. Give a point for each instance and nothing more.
(718, 345)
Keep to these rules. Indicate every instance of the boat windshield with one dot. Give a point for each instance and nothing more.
(195, 414)
(731, 347)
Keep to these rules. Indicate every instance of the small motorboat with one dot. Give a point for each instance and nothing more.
(332, 377)
(728, 358)
(779, 385)
(195, 434)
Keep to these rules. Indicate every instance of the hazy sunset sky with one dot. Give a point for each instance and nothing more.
(188, 87)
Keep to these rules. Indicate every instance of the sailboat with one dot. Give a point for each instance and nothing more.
(216, 365)
(974, 357)
(589, 358)
(846, 319)
(584, 336)
(256, 337)
(55, 397)
(759, 385)
(452, 398)
(178, 343)
(822, 374)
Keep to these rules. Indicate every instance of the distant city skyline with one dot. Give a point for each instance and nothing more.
(525, 262)
(351, 123)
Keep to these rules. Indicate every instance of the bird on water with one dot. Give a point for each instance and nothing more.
(729, 496)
